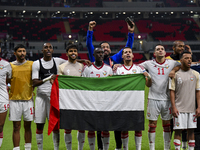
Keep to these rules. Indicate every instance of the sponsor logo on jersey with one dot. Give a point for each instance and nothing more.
(166, 66)
(134, 70)
(179, 80)
(1, 66)
(148, 114)
(92, 72)
(191, 78)
(177, 124)
(104, 73)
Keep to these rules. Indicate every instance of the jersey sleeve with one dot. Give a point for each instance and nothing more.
(172, 83)
(85, 70)
(59, 70)
(144, 64)
(89, 45)
(198, 81)
(35, 70)
(142, 69)
(130, 40)
(9, 71)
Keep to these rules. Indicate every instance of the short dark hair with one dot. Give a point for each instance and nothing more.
(175, 43)
(184, 52)
(125, 48)
(158, 45)
(19, 46)
(104, 42)
(71, 46)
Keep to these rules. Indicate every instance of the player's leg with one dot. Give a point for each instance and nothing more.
(184, 139)
(124, 138)
(177, 138)
(81, 139)
(27, 135)
(138, 140)
(153, 111)
(118, 140)
(28, 114)
(68, 139)
(166, 134)
(91, 139)
(152, 134)
(166, 116)
(40, 118)
(105, 136)
(191, 140)
(2, 121)
(99, 141)
(16, 133)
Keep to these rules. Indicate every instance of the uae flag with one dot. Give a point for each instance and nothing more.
(97, 104)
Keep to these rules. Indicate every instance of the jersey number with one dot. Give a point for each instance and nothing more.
(98, 75)
(195, 119)
(6, 106)
(32, 110)
(161, 71)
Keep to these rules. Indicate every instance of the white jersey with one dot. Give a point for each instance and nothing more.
(5, 72)
(93, 71)
(45, 88)
(159, 76)
(133, 69)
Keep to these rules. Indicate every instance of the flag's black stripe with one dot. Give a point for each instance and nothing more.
(102, 120)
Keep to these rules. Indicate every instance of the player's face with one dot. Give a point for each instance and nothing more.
(179, 48)
(186, 60)
(47, 50)
(98, 54)
(72, 53)
(127, 54)
(106, 48)
(20, 54)
(159, 51)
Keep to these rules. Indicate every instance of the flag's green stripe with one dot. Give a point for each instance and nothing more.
(114, 83)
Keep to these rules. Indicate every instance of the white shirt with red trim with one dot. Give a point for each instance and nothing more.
(133, 69)
(94, 71)
(159, 75)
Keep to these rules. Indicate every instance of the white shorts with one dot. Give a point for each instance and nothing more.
(42, 108)
(185, 121)
(4, 106)
(21, 107)
(159, 107)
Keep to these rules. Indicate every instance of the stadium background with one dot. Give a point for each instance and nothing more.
(61, 21)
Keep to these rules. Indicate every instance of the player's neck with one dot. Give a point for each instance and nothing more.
(47, 58)
(72, 60)
(160, 59)
(98, 63)
(21, 61)
(184, 68)
(128, 62)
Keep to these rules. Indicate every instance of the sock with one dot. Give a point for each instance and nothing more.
(167, 136)
(39, 139)
(56, 139)
(138, 139)
(91, 139)
(125, 138)
(1, 138)
(16, 148)
(151, 136)
(27, 146)
(177, 144)
(68, 139)
(105, 136)
(81, 139)
(191, 144)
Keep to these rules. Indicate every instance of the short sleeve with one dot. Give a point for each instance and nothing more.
(35, 70)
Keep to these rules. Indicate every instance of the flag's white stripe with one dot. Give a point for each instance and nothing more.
(101, 100)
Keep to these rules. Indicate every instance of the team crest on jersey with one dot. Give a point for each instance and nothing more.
(1, 66)
(79, 70)
(166, 66)
(191, 78)
(177, 124)
(148, 114)
(104, 73)
(179, 80)
(134, 70)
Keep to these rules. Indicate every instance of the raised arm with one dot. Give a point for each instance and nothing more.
(118, 56)
(89, 45)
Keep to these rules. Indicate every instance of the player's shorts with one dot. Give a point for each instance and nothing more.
(42, 108)
(21, 107)
(4, 106)
(185, 121)
(159, 107)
